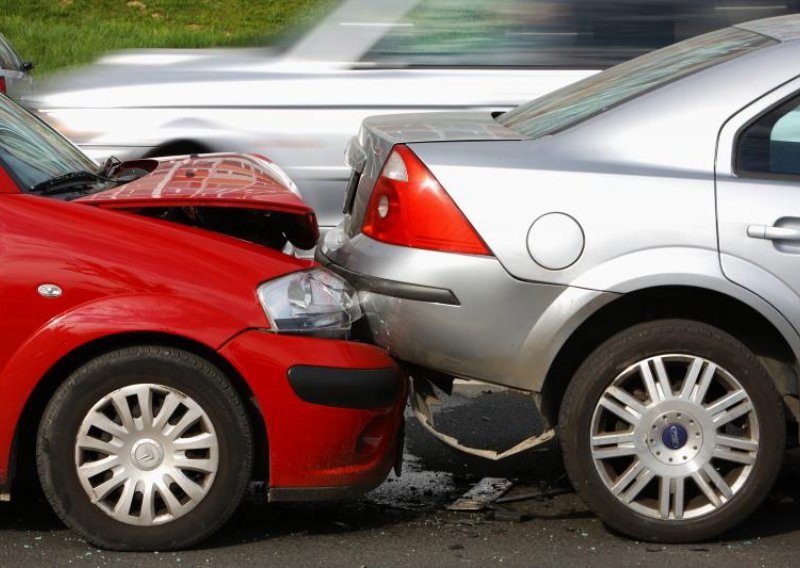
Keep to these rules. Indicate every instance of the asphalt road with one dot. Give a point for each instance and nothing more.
(404, 522)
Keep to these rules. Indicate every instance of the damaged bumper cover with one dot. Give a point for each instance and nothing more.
(333, 411)
(425, 398)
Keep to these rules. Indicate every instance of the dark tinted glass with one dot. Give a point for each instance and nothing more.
(555, 33)
(771, 145)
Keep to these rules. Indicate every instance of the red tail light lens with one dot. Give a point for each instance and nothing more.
(410, 208)
(2, 84)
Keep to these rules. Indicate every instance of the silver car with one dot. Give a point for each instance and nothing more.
(15, 76)
(626, 249)
(300, 104)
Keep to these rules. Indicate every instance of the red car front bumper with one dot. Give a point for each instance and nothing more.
(333, 411)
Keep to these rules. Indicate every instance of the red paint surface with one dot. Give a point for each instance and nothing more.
(122, 273)
(221, 180)
(312, 445)
(7, 184)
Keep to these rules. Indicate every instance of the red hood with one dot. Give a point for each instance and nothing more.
(218, 180)
(242, 181)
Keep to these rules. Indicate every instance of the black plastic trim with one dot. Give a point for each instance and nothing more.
(347, 388)
(385, 287)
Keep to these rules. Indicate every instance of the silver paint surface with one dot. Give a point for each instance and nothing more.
(648, 181)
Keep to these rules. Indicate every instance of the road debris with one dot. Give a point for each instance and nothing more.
(485, 492)
(544, 491)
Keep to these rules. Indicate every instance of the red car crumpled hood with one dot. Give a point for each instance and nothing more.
(242, 181)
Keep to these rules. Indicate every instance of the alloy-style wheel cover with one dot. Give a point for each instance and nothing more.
(674, 437)
(146, 454)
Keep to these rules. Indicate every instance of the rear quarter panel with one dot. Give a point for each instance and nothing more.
(637, 177)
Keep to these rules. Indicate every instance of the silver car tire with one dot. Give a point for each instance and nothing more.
(145, 448)
(672, 431)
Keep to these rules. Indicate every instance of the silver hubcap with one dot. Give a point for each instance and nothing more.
(146, 454)
(674, 437)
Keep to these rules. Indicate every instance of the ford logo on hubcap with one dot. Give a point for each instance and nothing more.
(674, 436)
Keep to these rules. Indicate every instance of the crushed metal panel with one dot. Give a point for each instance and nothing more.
(425, 397)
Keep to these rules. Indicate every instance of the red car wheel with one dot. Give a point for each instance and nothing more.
(145, 448)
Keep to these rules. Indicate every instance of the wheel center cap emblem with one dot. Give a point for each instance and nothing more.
(147, 454)
(674, 436)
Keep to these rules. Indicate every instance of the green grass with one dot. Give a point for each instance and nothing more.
(61, 33)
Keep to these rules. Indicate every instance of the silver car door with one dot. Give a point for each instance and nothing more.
(758, 199)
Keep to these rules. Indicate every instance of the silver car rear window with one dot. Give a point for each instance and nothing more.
(579, 101)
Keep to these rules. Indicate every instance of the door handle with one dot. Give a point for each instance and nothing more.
(773, 233)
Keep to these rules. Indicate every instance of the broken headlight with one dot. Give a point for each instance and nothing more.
(312, 301)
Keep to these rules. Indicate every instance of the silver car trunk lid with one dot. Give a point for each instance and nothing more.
(367, 153)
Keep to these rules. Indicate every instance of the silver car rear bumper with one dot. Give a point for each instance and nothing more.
(459, 314)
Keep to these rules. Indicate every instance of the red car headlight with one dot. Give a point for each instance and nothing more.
(314, 301)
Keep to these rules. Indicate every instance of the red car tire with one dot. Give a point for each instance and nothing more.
(145, 448)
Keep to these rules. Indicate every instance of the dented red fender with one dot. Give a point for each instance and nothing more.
(119, 274)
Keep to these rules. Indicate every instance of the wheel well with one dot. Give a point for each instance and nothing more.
(178, 148)
(23, 457)
(713, 308)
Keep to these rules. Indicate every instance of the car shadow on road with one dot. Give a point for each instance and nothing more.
(434, 477)
(780, 513)
(257, 522)
(29, 514)
(507, 418)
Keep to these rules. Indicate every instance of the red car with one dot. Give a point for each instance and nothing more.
(159, 350)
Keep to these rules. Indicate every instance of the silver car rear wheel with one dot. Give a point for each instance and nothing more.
(672, 431)
(146, 454)
(672, 421)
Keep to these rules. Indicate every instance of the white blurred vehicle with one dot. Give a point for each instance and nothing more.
(15, 76)
(299, 105)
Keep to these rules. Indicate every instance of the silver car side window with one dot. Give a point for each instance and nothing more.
(770, 145)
